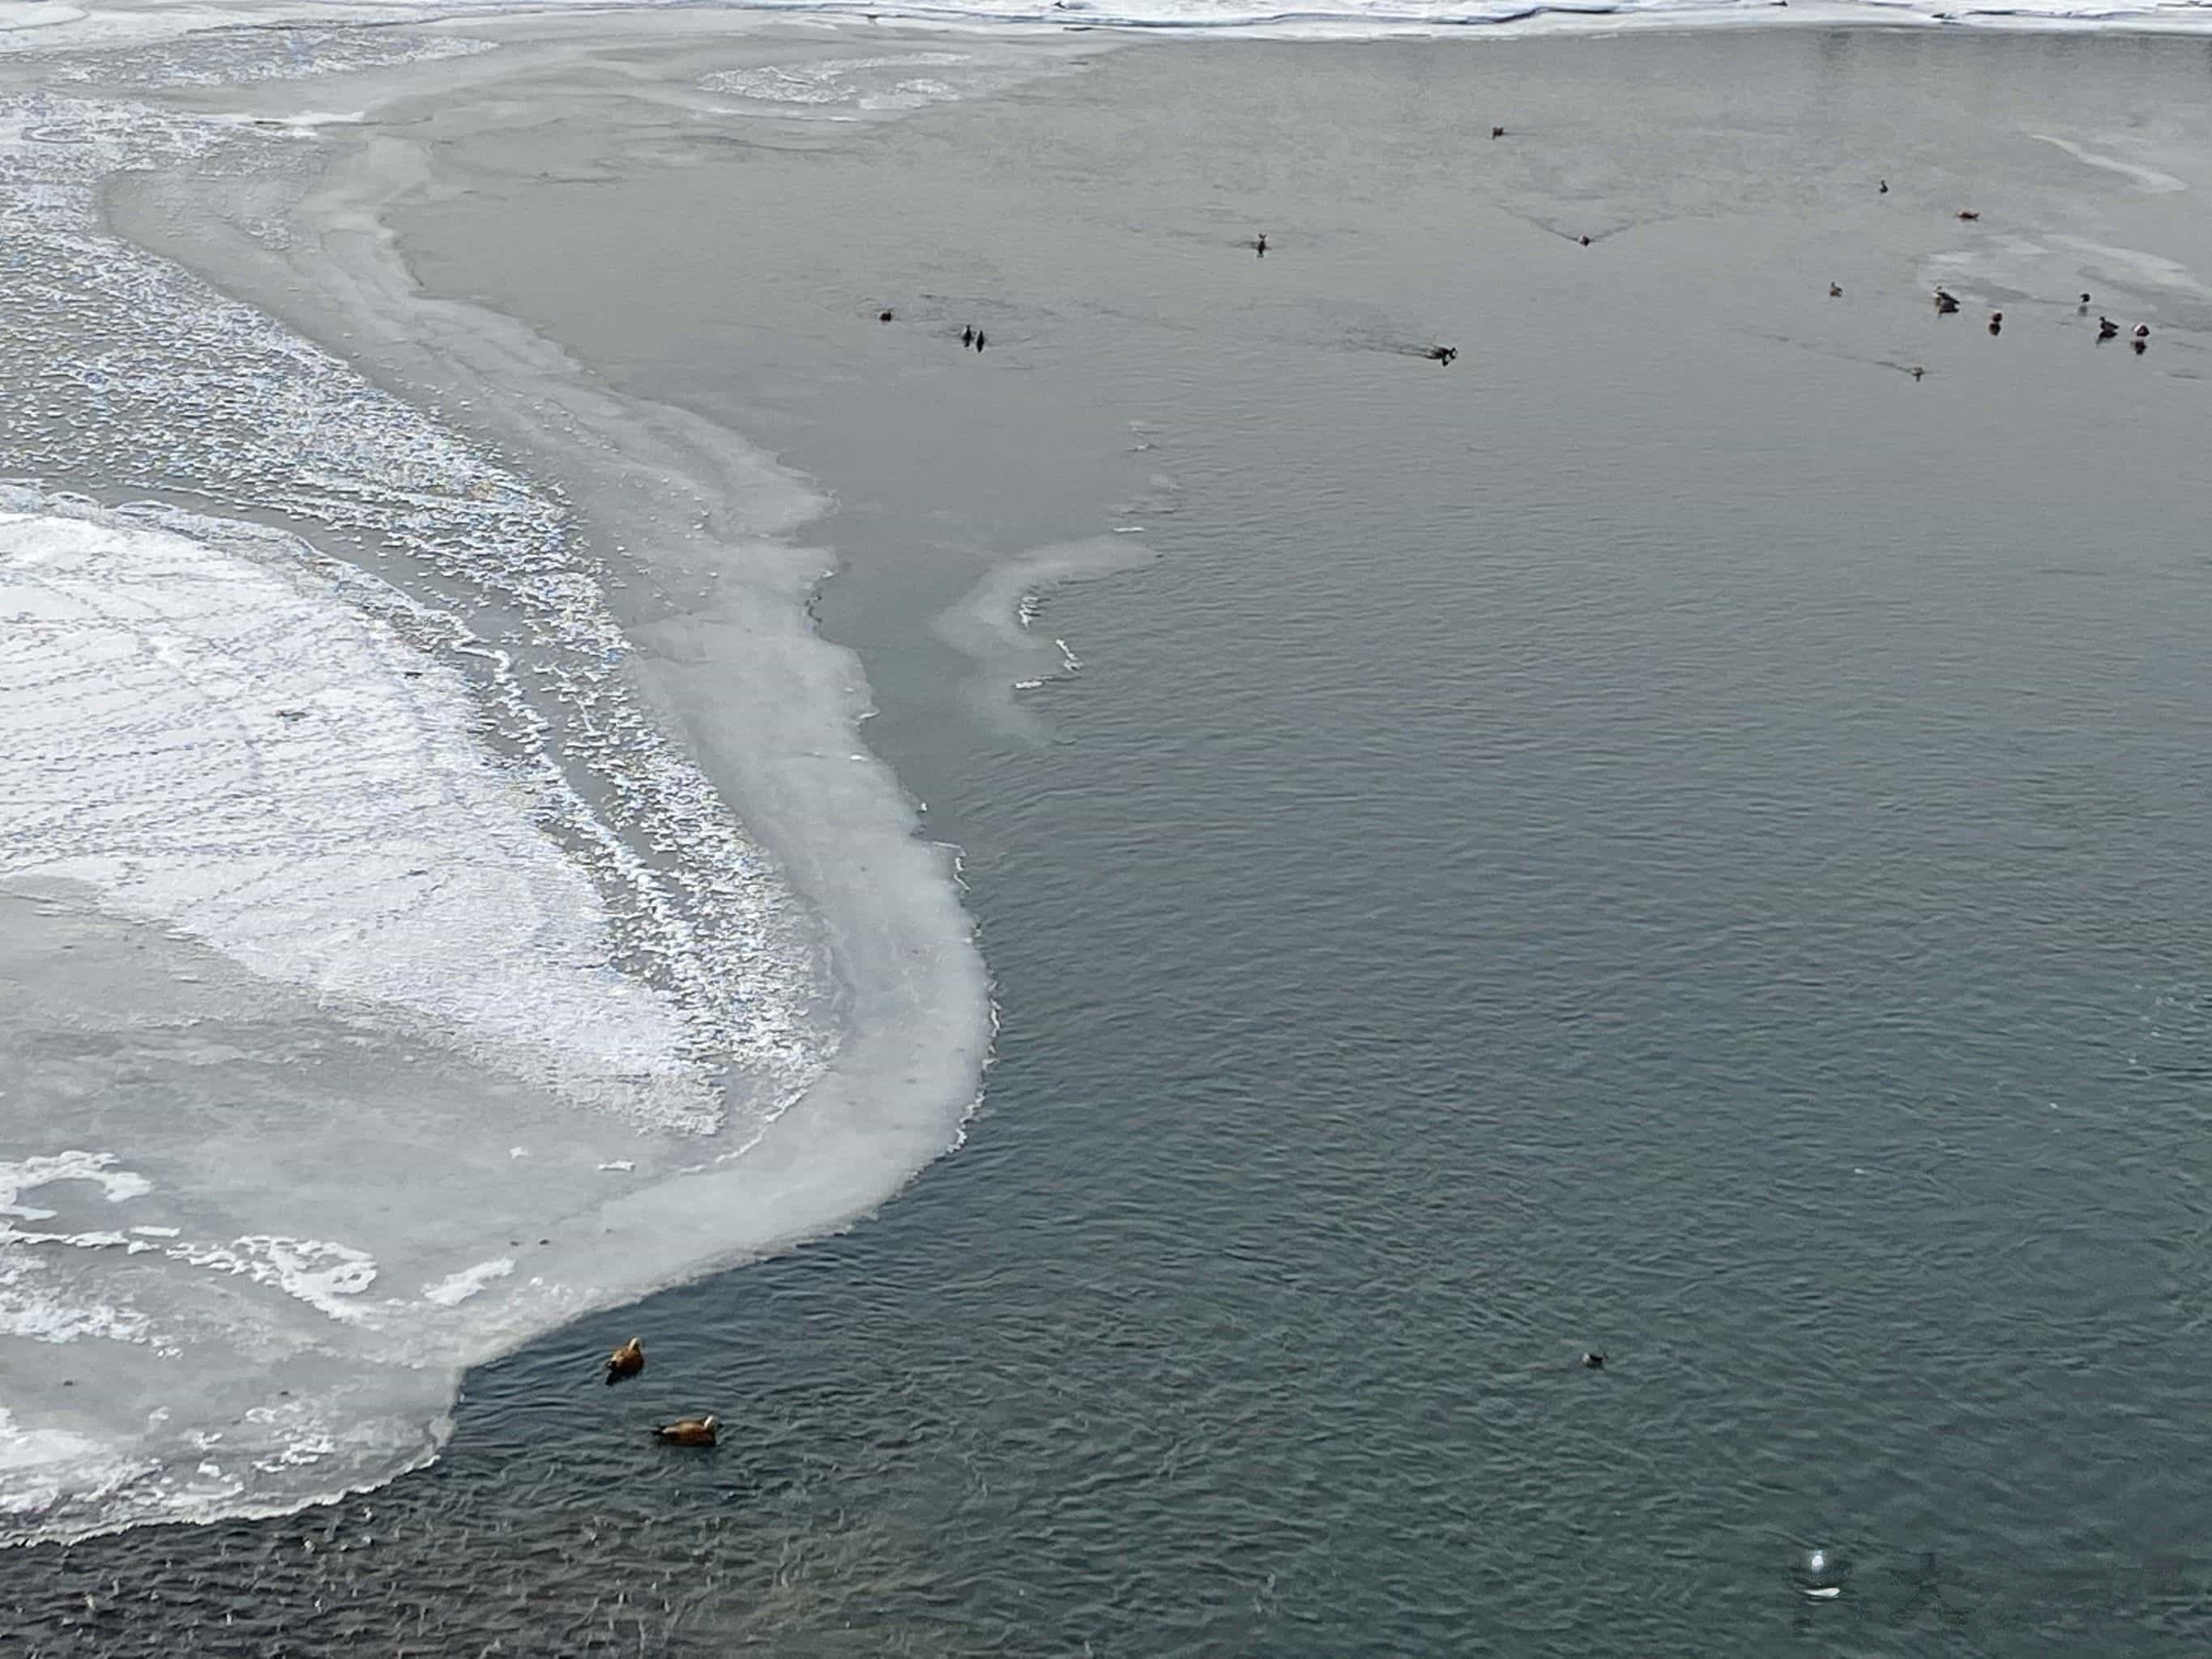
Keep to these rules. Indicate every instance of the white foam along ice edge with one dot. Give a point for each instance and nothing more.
(219, 741)
(456, 1288)
(37, 1466)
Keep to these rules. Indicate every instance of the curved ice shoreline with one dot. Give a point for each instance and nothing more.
(304, 1254)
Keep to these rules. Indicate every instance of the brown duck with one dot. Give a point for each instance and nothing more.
(628, 1360)
(689, 1431)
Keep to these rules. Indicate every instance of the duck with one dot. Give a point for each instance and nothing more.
(1835, 290)
(689, 1431)
(1996, 322)
(2106, 328)
(883, 316)
(626, 1361)
(2142, 330)
(1497, 132)
(1970, 213)
(1593, 1362)
(1944, 301)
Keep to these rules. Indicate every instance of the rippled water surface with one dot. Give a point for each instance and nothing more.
(1668, 837)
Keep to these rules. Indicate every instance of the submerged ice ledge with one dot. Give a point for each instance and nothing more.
(993, 624)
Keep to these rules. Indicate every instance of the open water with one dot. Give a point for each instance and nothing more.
(1668, 835)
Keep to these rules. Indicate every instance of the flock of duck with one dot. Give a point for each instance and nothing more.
(971, 336)
(627, 1362)
(1946, 302)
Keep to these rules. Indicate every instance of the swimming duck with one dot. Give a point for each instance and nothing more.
(2142, 330)
(882, 316)
(1969, 213)
(689, 1431)
(1835, 291)
(1996, 322)
(628, 1360)
(2106, 328)
(1497, 132)
(1595, 1362)
(1944, 302)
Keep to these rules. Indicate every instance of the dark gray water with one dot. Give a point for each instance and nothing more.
(1666, 836)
